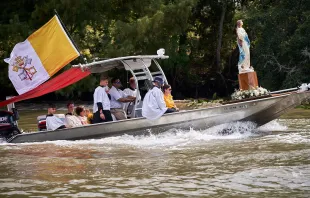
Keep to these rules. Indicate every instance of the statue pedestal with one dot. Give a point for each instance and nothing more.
(247, 80)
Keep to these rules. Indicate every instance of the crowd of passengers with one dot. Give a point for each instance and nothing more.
(116, 102)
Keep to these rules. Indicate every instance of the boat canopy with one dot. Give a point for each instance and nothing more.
(139, 66)
(128, 62)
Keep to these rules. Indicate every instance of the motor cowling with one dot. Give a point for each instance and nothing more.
(8, 126)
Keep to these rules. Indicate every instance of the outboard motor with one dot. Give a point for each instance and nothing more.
(8, 125)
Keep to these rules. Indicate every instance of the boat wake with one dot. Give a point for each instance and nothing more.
(178, 137)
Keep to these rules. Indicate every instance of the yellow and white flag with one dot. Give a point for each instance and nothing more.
(40, 56)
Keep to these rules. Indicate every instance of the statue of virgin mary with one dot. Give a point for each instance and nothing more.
(244, 49)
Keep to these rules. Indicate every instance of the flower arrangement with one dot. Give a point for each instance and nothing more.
(251, 93)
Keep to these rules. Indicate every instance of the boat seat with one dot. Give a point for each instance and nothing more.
(113, 117)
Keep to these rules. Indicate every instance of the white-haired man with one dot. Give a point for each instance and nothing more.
(154, 105)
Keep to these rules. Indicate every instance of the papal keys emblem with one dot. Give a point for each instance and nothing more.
(24, 67)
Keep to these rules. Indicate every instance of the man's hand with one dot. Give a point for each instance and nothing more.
(131, 98)
(127, 99)
(102, 115)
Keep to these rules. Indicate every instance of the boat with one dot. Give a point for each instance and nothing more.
(257, 110)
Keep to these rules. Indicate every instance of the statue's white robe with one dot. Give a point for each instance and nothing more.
(244, 58)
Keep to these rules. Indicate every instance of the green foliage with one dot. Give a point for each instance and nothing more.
(187, 29)
(214, 97)
(280, 30)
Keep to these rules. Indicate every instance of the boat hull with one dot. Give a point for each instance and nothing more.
(259, 111)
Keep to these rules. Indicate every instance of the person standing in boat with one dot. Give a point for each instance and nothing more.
(169, 100)
(101, 106)
(70, 119)
(118, 97)
(131, 91)
(154, 105)
(53, 122)
(244, 49)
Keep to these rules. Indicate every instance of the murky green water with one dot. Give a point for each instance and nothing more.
(275, 162)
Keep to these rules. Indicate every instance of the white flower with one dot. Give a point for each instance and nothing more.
(256, 93)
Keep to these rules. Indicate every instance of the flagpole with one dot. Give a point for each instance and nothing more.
(75, 45)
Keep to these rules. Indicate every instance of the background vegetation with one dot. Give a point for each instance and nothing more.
(198, 35)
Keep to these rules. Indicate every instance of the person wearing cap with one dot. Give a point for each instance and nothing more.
(118, 97)
(131, 91)
(101, 106)
(154, 105)
(53, 122)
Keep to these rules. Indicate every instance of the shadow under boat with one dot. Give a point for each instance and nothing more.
(259, 111)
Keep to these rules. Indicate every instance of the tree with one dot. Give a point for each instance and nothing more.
(279, 31)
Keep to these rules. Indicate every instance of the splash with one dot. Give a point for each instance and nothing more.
(174, 137)
(272, 126)
(171, 138)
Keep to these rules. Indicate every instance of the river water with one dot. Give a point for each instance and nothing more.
(272, 161)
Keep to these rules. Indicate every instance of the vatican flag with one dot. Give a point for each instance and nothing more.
(40, 56)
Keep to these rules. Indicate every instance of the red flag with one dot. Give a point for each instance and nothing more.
(61, 81)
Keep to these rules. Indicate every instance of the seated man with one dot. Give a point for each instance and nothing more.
(154, 105)
(53, 122)
(117, 98)
(131, 91)
(71, 120)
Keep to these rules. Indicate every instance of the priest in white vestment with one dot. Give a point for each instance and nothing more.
(53, 122)
(154, 105)
(72, 120)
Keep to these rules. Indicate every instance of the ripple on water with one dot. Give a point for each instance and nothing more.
(250, 162)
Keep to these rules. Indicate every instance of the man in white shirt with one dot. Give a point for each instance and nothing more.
(154, 105)
(101, 106)
(72, 120)
(118, 97)
(131, 91)
(53, 122)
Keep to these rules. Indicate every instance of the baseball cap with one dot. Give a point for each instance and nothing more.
(158, 79)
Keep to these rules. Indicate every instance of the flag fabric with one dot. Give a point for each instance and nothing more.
(63, 80)
(40, 56)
